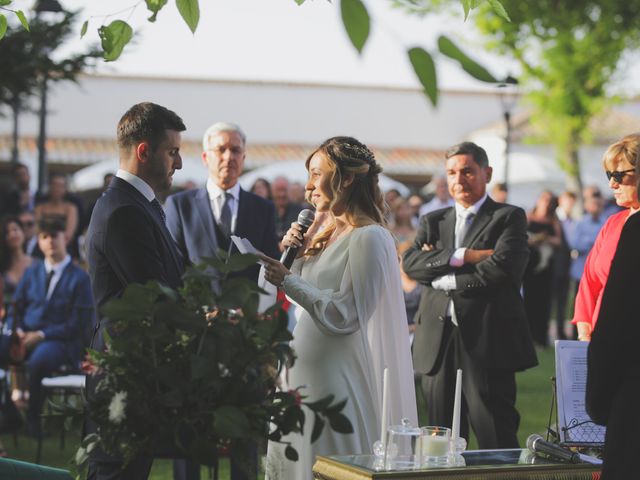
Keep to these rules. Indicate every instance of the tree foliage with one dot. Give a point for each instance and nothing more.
(569, 53)
(27, 57)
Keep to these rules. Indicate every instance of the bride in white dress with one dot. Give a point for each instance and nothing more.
(352, 323)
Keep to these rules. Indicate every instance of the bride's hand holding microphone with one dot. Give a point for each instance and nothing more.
(295, 242)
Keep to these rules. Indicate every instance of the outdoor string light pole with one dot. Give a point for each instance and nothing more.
(44, 7)
(508, 93)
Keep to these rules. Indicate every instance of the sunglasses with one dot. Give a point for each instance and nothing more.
(618, 175)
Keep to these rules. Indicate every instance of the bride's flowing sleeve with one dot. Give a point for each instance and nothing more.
(333, 310)
(380, 303)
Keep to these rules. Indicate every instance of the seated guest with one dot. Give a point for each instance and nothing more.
(13, 259)
(19, 196)
(28, 220)
(262, 188)
(286, 211)
(58, 205)
(55, 305)
(401, 225)
(500, 192)
(297, 194)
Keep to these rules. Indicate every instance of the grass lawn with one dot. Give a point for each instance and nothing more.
(534, 401)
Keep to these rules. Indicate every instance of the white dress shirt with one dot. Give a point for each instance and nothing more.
(57, 268)
(136, 182)
(216, 199)
(448, 282)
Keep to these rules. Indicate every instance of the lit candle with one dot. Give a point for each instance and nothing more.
(384, 420)
(455, 424)
(435, 445)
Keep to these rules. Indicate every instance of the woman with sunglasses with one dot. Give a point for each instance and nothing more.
(613, 382)
(619, 162)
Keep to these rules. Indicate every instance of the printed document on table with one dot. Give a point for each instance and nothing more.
(571, 386)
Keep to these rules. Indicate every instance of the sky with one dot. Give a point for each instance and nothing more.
(277, 40)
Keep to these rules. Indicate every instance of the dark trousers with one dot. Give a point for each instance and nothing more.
(42, 361)
(46, 358)
(244, 464)
(138, 469)
(488, 395)
(561, 288)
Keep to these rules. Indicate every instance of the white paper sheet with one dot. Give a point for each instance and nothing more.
(571, 384)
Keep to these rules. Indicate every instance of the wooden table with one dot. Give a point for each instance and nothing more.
(514, 464)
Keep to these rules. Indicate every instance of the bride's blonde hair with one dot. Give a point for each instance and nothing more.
(349, 158)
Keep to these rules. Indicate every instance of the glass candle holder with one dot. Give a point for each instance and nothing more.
(435, 445)
(403, 447)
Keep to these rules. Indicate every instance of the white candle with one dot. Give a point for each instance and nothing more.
(455, 424)
(384, 420)
(435, 446)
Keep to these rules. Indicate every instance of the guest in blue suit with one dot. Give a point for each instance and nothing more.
(202, 221)
(56, 311)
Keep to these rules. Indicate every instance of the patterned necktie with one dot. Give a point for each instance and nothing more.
(465, 218)
(159, 209)
(225, 215)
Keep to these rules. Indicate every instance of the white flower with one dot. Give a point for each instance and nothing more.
(117, 407)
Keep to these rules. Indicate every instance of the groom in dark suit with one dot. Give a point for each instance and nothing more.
(470, 259)
(202, 221)
(128, 240)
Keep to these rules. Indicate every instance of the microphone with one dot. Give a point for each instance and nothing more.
(305, 220)
(537, 444)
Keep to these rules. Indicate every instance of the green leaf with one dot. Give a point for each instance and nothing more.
(154, 6)
(230, 422)
(3, 25)
(291, 453)
(356, 21)
(4, 3)
(114, 37)
(477, 71)
(499, 9)
(426, 71)
(190, 11)
(321, 404)
(202, 368)
(237, 263)
(466, 5)
(83, 30)
(318, 426)
(340, 423)
(23, 19)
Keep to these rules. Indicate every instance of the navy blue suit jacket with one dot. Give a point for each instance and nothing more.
(128, 243)
(66, 316)
(191, 222)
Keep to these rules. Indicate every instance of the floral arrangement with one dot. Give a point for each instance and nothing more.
(187, 371)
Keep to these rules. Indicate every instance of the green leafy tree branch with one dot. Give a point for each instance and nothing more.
(569, 53)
